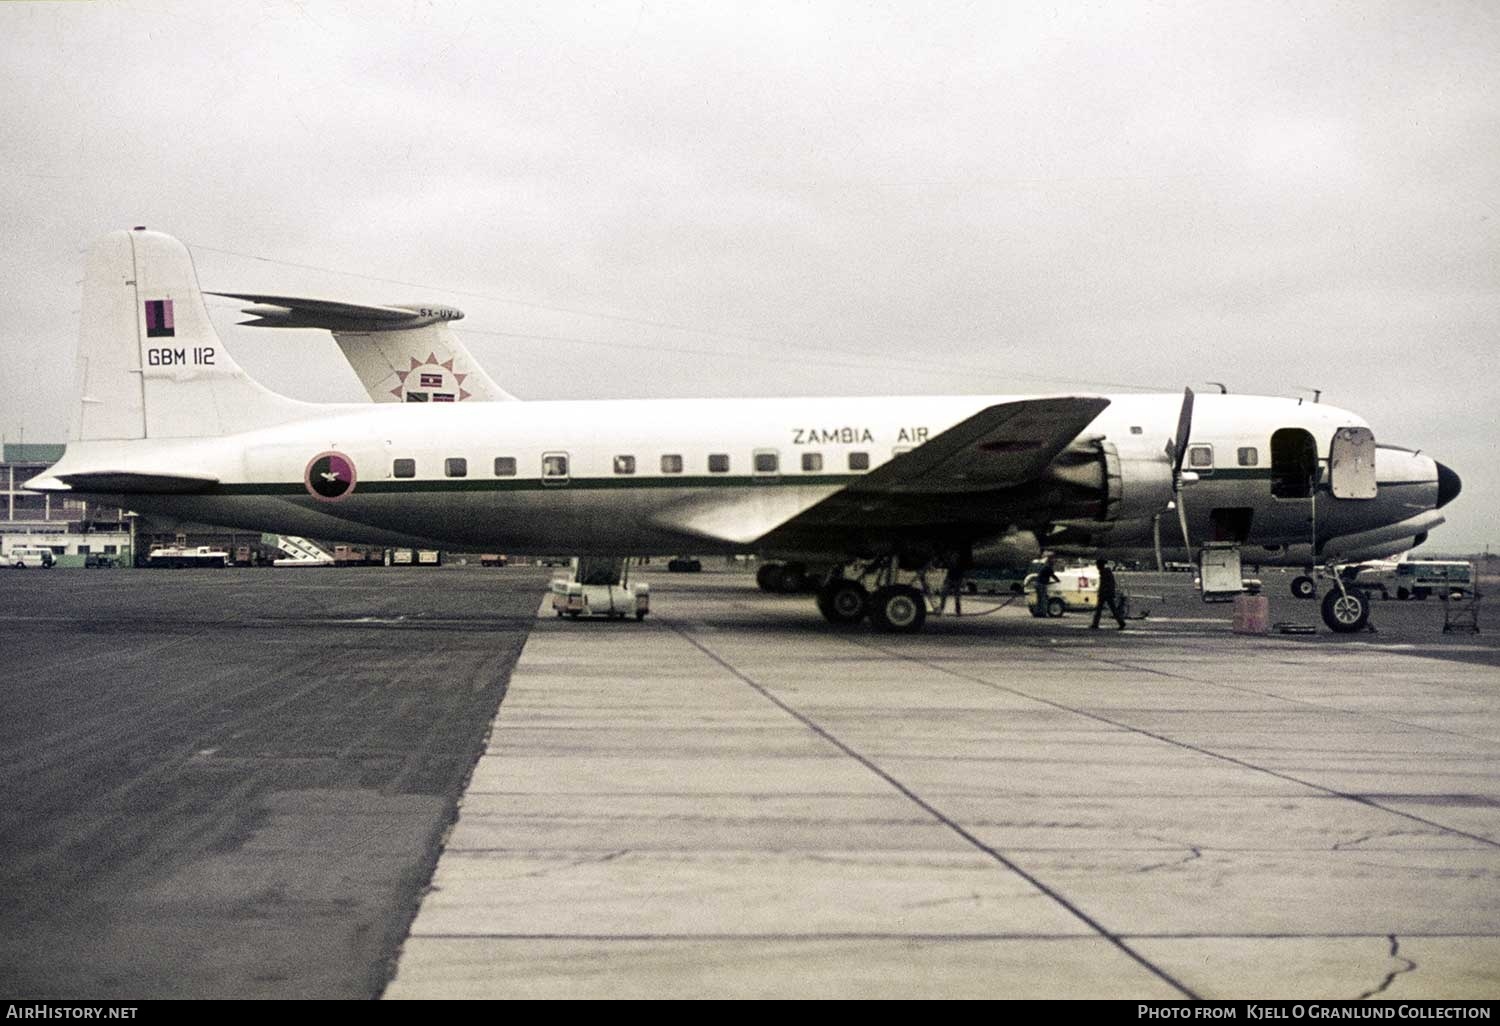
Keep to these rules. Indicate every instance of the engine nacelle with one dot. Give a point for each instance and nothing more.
(1131, 487)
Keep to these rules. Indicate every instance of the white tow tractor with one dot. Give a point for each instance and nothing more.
(600, 588)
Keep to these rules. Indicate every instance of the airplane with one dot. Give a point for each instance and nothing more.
(168, 423)
(394, 350)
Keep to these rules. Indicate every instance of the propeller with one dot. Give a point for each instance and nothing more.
(1177, 453)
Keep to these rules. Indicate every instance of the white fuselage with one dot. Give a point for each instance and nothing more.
(746, 465)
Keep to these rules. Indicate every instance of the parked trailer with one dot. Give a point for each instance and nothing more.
(177, 557)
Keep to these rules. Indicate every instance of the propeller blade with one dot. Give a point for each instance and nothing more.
(1161, 567)
(1180, 441)
(1182, 520)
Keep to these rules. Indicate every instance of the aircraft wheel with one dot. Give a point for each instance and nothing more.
(843, 602)
(768, 577)
(1303, 587)
(1055, 607)
(1346, 612)
(793, 578)
(639, 617)
(898, 609)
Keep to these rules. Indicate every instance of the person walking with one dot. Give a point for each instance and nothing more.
(1045, 577)
(1109, 594)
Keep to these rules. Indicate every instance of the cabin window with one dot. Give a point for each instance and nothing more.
(671, 463)
(718, 463)
(812, 462)
(456, 466)
(554, 466)
(766, 463)
(1248, 457)
(1135, 429)
(624, 464)
(403, 468)
(859, 461)
(505, 466)
(1200, 457)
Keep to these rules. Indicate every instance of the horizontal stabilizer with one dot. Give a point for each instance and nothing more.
(124, 482)
(332, 315)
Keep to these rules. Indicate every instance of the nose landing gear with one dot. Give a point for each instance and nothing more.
(1346, 610)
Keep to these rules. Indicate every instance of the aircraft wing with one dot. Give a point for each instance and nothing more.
(1002, 447)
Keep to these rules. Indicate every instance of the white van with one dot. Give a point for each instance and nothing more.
(1076, 591)
(23, 556)
(1418, 578)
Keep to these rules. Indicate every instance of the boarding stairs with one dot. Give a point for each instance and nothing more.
(301, 552)
(1461, 609)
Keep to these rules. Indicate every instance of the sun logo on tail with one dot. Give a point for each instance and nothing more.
(430, 382)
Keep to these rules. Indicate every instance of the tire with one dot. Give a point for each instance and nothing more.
(1346, 612)
(793, 578)
(768, 577)
(1303, 587)
(843, 602)
(639, 617)
(1056, 607)
(1402, 594)
(898, 609)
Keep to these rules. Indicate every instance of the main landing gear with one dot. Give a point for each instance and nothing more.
(893, 607)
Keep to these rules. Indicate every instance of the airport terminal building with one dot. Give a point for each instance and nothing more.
(78, 532)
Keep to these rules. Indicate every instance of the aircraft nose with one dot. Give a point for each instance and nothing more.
(1449, 485)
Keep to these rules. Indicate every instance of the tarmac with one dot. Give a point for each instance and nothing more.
(252, 783)
(734, 800)
(234, 783)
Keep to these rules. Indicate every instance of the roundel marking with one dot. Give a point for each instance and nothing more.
(329, 476)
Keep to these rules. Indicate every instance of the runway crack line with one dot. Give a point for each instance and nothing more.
(1186, 746)
(1390, 977)
(941, 817)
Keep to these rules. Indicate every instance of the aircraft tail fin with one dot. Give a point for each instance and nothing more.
(401, 354)
(150, 364)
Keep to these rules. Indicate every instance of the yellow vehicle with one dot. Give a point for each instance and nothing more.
(1076, 591)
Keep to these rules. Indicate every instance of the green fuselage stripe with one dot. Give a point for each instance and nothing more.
(517, 484)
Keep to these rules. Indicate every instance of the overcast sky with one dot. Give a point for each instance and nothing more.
(673, 199)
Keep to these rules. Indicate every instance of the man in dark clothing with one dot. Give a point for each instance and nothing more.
(1108, 595)
(1044, 578)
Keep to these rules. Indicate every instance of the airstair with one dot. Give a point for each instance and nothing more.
(1461, 608)
(301, 552)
